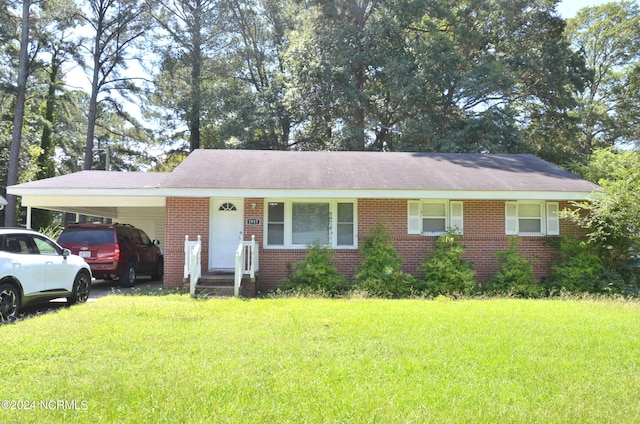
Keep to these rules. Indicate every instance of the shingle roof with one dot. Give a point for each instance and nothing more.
(254, 169)
(100, 180)
(255, 172)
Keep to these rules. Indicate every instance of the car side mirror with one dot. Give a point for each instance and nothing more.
(156, 242)
(66, 253)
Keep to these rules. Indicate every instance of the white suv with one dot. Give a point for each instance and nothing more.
(34, 268)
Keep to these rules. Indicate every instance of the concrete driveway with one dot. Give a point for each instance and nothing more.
(100, 288)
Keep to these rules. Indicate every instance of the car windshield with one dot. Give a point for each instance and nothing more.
(87, 235)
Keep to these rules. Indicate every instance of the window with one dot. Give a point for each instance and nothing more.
(45, 247)
(275, 226)
(310, 223)
(16, 243)
(227, 207)
(301, 223)
(531, 218)
(345, 226)
(434, 217)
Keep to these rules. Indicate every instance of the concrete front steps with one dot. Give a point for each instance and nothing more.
(220, 284)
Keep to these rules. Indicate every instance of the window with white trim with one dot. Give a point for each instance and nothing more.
(300, 223)
(434, 217)
(532, 218)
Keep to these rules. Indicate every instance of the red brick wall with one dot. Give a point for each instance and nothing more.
(185, 216)
(483, 236)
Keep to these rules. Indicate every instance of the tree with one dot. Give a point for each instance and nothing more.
(609, 38)
(117, 26)
(16, 136)
(611, 218)
(253, 88)
(53, 33)
(437, 76)
(330, 58)
(191, 36)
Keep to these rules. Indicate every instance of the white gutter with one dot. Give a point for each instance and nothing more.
(380, 194)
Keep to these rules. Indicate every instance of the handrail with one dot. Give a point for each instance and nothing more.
(192, 262)
(239, 271)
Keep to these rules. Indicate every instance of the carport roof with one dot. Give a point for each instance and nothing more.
(98, 180)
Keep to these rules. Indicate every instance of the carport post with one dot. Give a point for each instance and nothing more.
(28, 223)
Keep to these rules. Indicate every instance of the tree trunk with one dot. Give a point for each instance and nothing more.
(196, 77)
(93, 101)
(16, 136)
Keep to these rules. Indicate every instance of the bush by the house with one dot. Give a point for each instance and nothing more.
(515, 274)
(379, 273)
(580, 269)
(314, 274)
(444, 271)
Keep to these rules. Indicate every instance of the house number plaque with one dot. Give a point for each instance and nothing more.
(253, 221)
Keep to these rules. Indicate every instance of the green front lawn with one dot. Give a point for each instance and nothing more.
(176, 359)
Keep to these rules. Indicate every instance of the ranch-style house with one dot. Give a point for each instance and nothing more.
(255, 212)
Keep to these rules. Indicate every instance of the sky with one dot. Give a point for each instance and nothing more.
(569, 8)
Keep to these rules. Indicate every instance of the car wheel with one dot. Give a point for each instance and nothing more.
(128, 279)
(158, 273)
(9, 303)
(81, 288)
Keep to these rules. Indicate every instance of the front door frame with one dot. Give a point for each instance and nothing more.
(234, 233)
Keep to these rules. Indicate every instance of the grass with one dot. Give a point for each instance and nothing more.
(170, 358)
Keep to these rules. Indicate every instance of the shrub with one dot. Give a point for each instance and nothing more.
(314, 274)
(515, 274)
(379, 273)
(445, 272)
(53, 231)
(580, 269)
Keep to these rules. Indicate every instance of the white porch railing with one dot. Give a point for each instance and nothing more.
(246, 263)
(192, 261)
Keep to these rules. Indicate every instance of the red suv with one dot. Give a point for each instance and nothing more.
(115, 251)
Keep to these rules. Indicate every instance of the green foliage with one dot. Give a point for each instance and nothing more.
(52, 230)
(607, 109)
(314, 274)
(611, 218)
(515, 274)
(580, 270)
(445, 272)
(379, 273)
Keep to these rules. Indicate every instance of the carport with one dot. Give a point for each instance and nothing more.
(126, 197)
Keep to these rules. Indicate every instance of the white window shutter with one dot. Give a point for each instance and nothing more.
(553, 221)
(511, 218)
(457, 216)
(414, 217)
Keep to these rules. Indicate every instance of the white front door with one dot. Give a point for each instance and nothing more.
(225, 232)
